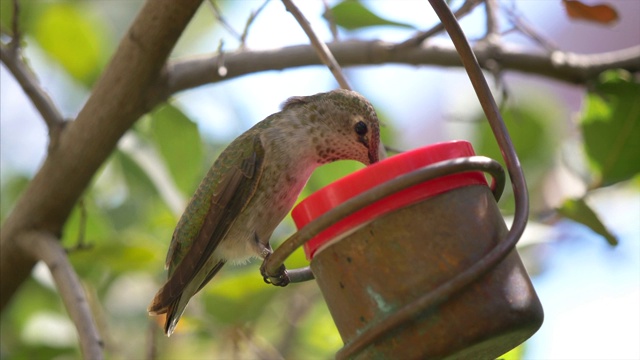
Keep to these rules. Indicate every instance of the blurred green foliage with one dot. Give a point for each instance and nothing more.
(77, 41)
(179, 143)
(535, 134)
(577, 210)
(611, 127)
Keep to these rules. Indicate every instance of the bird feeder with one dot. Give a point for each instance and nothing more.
(378, 266)
(412, 254)
(414, 259)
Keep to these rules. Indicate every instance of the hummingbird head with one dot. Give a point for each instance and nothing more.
(343, 125)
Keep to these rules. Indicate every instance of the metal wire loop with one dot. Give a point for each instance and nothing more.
(443, 168)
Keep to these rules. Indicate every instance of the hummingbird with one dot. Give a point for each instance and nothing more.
(254, 183)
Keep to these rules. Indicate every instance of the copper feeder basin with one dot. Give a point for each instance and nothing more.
(376, 266)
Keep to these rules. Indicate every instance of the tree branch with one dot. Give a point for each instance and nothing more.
(15, 26)
(119, 98)
(217, 13)
(491, 13)
(252, 17)
(420, 37)
(520, 23)
(331, 21)
(562, 66)
(320, 47)
(10, 56)
(46, 247)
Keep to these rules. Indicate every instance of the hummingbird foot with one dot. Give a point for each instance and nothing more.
(280, 278)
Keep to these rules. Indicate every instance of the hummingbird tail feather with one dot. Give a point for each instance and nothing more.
(159, 304)
(172, 307)
(174, 312)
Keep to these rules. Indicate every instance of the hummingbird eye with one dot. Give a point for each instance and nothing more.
(360, 128)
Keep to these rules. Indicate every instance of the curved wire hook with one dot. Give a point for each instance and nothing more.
(439, 169)
(498, 253)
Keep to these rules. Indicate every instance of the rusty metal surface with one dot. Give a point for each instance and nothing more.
(384, 267)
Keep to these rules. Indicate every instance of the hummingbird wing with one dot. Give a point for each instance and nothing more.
(235, 189)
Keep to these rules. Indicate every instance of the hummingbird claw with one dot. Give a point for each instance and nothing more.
(281, 278)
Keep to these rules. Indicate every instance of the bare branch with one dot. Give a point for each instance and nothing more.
(492, 41)
(82, 230)
(491, 11)
(520, 23)
(11, 58)
(568, 67)
(328, 15)
(218, 14)
(418, 38)
(151, 352)
(46, 247)
(15, 27)
(252, 17)
(320, 47)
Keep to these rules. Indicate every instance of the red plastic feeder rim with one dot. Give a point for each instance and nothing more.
(342, 190)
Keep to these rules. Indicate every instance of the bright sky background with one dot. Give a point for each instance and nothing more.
(590, 292)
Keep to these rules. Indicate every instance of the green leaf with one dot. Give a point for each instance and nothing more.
(578, 211)
(73, 37)
(611, 128)
(351, 14)
(140, 190)
(178, 141)
(136, 178)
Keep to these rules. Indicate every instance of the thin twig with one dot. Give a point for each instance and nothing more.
(298, 306)
(250, 20)
(492, 41)
(263, 351)
(15, 26)
(11, 57)
(82, 230)
(221, 68)
(44, 246)
(418, 38)
(321, 48)
(152, 340)
(218, 14)
(40, 99)
(521, 24)
(491, 12)
(328, 15)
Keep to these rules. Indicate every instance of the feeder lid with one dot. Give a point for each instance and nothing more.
(360, 181)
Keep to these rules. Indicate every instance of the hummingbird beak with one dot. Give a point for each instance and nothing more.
(373, 153)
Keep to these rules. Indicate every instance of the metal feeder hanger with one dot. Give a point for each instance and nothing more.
(363, 344)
